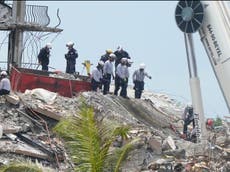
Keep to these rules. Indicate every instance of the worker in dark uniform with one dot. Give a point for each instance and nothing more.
(71, 57)
(138, 80)
(105, 57)
(120, 53)
(188, 117)
(44, 56)
(97, 77)
(108, 73)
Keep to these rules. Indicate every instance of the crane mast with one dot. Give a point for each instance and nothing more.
(212, 20)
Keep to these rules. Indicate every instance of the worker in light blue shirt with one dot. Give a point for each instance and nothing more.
(121, 78)
(108, 73)
(138, 80)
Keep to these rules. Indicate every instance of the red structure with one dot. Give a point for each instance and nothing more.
(22, 79)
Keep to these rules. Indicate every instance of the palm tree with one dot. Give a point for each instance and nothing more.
(89, 140)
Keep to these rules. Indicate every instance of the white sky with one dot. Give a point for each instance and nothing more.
(147, 31)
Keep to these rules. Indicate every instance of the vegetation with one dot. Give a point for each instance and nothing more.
(217, 122)
(89, 140)
(20, 167)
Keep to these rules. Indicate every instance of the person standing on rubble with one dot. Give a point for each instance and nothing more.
(4, 84)
(44, 56)
(108, 73)
(97, 77)
(105, 57)
(138, 80)
(121, 78)
(188, 117)
(120, 53)
(71, 57)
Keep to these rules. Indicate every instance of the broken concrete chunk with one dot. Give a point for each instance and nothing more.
(13, 99)
(155, 145)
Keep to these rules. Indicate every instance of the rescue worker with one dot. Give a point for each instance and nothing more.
(97, 77)
(210, 124)
(71, 57)
(188, 117)
(128, 64)
(120, 53)
(138, 80)
(44, 56)
(105, 57)
(121, 78)
(4, 84)
(108, 73)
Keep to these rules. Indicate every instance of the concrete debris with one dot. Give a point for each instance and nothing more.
(25, 131)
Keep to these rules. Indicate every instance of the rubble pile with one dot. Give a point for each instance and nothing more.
(27, 132)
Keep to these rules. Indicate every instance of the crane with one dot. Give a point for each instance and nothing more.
(212, 20)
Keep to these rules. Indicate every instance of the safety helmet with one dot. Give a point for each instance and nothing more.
(113, 56)
(101, 63)
(109, 51)
(124, 59)
(129, 61)
(69, 44)
(3, 73)
(142, 66)
(49, 45)
(119, 48)
(189, 104)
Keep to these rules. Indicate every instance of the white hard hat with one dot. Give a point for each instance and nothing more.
(189, 104)
(101, 63)
(3, 73)
(112, 55)
(142, 66)
(70, 43)
(124, 59)
(129, 61)
(49, 45)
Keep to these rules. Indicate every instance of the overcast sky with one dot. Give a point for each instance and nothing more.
(147, 31)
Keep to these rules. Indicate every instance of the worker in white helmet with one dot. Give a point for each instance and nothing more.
(97, 77)
(108, 73)
(121, 78)
(120, 53)
(71, 57)
(4, 84)
(138, 80)
(44, 56)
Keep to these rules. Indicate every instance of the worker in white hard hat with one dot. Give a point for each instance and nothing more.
(4, 84)
(188, 117)
(138, 80)
(71, 57)
(105, 57)
(108, 73)
(121, 78)
(97, 77)
(44, 56)
(120, 53)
